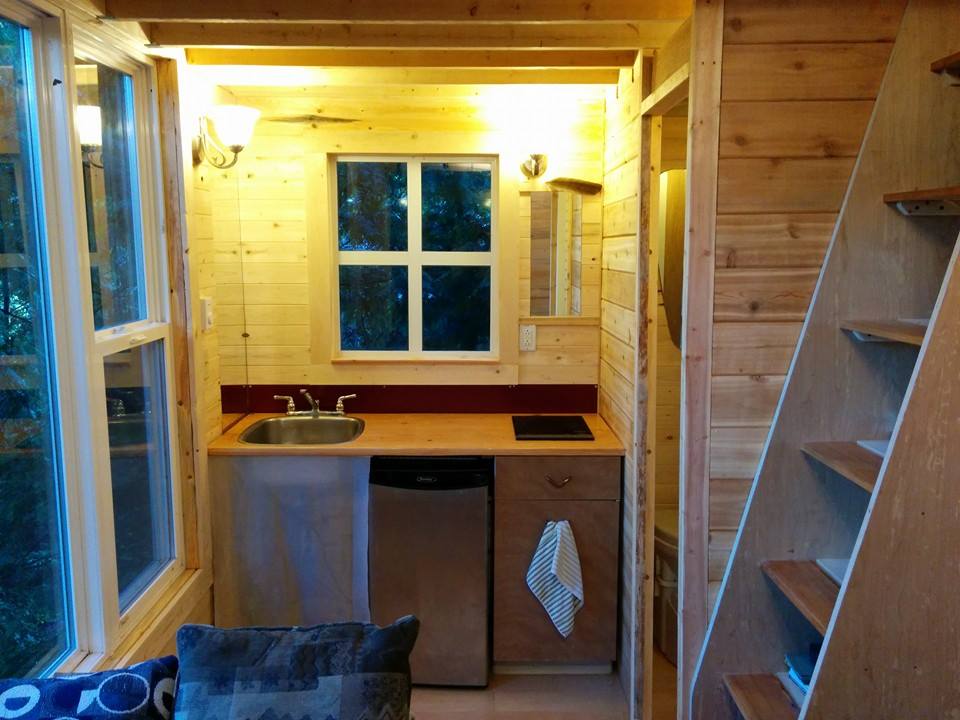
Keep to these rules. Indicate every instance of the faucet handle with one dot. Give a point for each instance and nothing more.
(291, 406)
(340, 400)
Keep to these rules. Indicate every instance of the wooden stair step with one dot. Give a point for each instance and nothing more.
(760, 697)
(949, 65)
(909, 332)
(851, 460)
(932, 201)
(807, 587)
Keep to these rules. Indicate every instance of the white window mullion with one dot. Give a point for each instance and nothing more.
(415, 248)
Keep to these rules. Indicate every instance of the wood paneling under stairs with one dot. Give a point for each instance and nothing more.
(807, 587)
(854, 462)
(760, 697)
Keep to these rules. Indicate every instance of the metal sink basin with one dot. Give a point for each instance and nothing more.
(303, 430)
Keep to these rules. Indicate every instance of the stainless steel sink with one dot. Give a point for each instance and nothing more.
(303, 430)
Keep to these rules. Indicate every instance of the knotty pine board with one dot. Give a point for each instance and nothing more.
(259, 215)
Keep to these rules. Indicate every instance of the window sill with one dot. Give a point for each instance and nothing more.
(559, 320)
(155, 632)
(415, 361)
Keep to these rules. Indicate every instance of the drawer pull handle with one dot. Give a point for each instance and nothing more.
(559, 484)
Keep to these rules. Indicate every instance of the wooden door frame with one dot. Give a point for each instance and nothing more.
(703, 140)
(698, 82)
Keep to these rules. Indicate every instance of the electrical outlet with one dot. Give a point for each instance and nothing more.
(528, 338)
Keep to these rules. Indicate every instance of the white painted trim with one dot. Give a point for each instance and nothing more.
(153, 328)
(46, 167)
(415, 258)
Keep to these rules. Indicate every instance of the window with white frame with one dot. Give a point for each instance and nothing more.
(416, 248)
(88, 498)
(131, 335)
(36, 589)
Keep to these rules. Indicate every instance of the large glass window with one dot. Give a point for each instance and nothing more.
(415, 247)
(126, 279)
(35, 606)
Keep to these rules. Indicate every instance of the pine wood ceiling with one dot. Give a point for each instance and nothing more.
(524, 36)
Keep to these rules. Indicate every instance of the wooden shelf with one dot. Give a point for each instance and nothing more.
(933, 201)
(807, 587)
(901, 331)
(854, 462)
(760, 697)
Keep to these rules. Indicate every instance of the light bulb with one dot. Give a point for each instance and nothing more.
(233, 124)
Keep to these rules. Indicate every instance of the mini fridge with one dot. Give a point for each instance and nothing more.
(429, 556)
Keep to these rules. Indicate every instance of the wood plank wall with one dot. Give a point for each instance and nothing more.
(618, 326)
(202, 256)
(799, 82)
(274, 321)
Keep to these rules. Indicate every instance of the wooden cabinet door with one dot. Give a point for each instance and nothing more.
(522, 631)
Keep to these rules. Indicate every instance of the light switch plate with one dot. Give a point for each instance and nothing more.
(528, 338)
(206, 313)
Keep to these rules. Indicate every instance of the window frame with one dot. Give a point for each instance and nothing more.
(155, 326)
(47, 25)
(58, 33)
(415, 258)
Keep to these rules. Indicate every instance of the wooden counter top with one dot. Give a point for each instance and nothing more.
(429, 434)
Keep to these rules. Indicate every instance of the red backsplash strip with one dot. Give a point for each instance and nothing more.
(419, 398)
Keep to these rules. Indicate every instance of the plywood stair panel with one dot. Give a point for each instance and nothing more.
(760, 697)
(854, 462)
(854, 375)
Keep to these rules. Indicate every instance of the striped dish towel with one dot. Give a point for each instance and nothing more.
(554, 575)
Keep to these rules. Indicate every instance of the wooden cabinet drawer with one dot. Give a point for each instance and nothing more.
(522, 630)
(558, 478)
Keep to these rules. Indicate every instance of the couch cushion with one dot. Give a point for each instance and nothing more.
(343, 671)
(141, 691)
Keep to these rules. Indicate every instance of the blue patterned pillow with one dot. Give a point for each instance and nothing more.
(343, 671)
(142, 691)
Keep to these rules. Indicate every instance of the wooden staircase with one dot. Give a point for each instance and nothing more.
(879, 357)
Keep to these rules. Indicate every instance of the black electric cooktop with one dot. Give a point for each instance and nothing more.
(551, 427)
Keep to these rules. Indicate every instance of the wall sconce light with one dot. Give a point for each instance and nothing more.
(90, 129)
(534, 166)
(233, 126)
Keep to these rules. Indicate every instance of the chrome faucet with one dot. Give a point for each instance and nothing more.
(340, 410)
(314, 405)
(291, 406)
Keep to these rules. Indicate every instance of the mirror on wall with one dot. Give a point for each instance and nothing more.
(555, 253)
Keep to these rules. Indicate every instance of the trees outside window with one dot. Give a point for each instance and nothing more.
(416, 248)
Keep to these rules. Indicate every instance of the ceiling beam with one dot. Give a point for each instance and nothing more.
(391, 10)
(313, 57)
(427, 36)
(305, 79)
